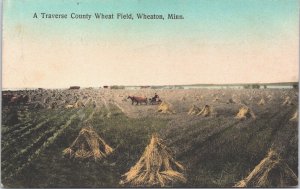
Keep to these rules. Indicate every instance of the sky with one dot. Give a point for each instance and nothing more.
(217, 42)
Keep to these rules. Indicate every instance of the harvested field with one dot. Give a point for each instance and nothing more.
(219, 136)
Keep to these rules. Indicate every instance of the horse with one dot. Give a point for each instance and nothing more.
(138, 100)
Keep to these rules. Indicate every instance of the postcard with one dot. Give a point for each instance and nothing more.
(149, 93)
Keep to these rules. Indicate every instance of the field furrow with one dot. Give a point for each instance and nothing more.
(24, 156)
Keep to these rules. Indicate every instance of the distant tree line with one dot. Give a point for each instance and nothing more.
(117, 87)
(257, 86)
(252, 86)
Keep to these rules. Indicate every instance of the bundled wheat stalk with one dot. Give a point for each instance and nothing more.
(272, 171)
(68, 106)
(165, 107)
(287, 101)
(261, 102)
(245, 112)
(156, 167)
(206, 111)
(88, 144)
(194, 110)
(270, 97)
(295, 116)
(78, 104)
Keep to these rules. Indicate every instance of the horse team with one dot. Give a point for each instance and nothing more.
(139, 100)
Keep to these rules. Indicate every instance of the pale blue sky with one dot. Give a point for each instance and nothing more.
(227, 41)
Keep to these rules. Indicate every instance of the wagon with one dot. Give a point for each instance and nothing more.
(154, 101)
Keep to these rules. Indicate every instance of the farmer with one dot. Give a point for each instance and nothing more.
(155, 97)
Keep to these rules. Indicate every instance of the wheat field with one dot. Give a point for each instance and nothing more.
(195, 138)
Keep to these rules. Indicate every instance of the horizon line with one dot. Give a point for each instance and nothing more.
(163, 85)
